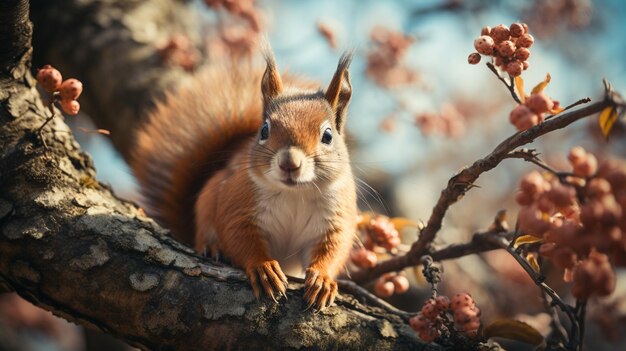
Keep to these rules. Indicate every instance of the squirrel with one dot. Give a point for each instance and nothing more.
(254, 166)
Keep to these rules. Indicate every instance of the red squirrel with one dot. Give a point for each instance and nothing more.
(253, 166)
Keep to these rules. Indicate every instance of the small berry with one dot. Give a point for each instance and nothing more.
(485, 31)
(400, 284)
(472, 325)
(518, 112)
(561, 195)
(384, 288)
(49, 78)
(506, 48)
(547, 249)
(586, 168)
(524, 198)
(484, 45)
(473, 58)
(429, 309)
(526, 64)
(464, 314)
(545, 205)
(71, 89)
(522, 54)
(71, 107)
(531, 221)
(539, 103)
(533, 183)
(442, 302)
(517, 30)
(514, 68)
(527, 122)
(500, 32)
(598, 187)
(525, 26)
(418, 322)
(363, 258)
(461, 300)
(525, 41)
(577, 154)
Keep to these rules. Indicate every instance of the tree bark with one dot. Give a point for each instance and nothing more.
(69, 245)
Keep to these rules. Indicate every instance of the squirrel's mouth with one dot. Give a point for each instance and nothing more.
(290, 182)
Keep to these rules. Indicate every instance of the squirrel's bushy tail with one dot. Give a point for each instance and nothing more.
(189, 136)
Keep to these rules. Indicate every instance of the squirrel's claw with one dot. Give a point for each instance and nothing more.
(270, 277)
(320, 290)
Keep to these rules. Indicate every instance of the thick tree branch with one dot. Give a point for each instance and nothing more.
(462, 182)
(69, 245)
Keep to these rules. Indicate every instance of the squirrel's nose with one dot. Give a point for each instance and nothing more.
(289, 165)
(290, 160)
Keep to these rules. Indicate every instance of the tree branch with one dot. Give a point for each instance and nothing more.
(462, 182)
(510, 85)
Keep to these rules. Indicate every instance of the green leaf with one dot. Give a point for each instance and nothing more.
(514, 330)
(607, 119)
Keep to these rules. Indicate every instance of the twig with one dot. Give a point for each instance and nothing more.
(371, 299)
(432, 273)
(529, 155)
(459, 184)
(554, 297)
(581, 306)
(481, 242)
(579, 102)
(509, 85)
(40, 129)
(557, 327)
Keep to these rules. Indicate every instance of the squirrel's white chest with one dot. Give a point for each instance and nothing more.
(293, 224)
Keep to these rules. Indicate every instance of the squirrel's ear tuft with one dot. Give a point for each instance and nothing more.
(339, 90)
(271, 84)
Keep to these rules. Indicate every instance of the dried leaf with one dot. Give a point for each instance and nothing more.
(401, 223)
(555, 111)
(539, 87)
(532, 260)
(526, 239)
(514, 330)
(607, 119)
(519, 83)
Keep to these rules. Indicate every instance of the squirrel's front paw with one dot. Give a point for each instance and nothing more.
(320, 289)
(269, 275)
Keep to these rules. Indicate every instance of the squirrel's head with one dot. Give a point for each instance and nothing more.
(301, 140)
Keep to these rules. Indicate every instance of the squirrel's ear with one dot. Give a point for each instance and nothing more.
(339, 90)
(271, 84)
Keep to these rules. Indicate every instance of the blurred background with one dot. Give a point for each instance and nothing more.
(419, 113)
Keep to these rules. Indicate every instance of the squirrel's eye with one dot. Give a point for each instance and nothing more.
(265, 131)
(327, 137)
